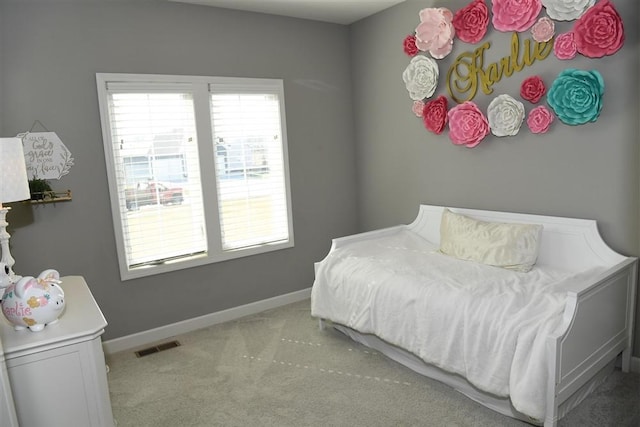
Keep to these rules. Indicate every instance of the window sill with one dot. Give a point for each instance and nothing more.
(127, 273)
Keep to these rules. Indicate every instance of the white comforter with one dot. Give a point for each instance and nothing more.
(484, 323)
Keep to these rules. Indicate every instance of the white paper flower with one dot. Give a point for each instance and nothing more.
(566, 10)
(421, 77)
(505, 115)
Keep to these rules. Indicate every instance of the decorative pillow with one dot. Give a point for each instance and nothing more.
(510, 246)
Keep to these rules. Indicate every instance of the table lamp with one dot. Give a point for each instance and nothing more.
(14, 186)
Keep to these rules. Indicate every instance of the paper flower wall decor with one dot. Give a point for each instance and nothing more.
(576, 96)
(467, 125)
(532, 89)
(564, 46)
(435, 32)
(543, 30)
(539, 119)
(409, 45)
(515, 15)
(505, 115)
(421, 77)
(566, 10)
(434, 114)
(471, 21)
(599, 31)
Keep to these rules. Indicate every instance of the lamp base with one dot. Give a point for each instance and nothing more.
(7, 276)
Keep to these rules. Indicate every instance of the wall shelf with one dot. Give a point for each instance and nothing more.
(53, 197)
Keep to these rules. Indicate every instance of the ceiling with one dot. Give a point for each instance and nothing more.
(336, 11)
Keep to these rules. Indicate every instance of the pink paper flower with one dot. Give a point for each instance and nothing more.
(471, 21)
(417, 108)
(539, 119)
(435, 32)
(515, 15)
(532, 89)
(543, 30)
(409, 45)
(434, 114)
(564, 46)
(467, 125)
(599, 31)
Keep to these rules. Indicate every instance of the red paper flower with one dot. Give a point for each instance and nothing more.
(434, 114)
(409, 45)
(599, 31)
(539, 119)
(471, 21)
(532, 89)
(467, 124)
(515, 15)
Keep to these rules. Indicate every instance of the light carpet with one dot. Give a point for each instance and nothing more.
(277, 368)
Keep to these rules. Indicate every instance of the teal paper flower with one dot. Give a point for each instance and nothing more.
(576, 96)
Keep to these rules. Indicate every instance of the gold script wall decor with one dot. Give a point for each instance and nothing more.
(468, 72)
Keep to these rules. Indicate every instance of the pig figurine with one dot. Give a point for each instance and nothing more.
(34, 302)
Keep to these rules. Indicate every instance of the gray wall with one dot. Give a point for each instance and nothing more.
(2, 14)
(51, 52)
(589, 171)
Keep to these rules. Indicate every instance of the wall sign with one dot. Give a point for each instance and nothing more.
(468, 73)
(46, 155)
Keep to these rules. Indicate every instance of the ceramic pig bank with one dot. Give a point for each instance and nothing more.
(34, 302)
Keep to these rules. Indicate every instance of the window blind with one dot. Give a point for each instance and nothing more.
(157, 172)
(198, 169)
(250, 169)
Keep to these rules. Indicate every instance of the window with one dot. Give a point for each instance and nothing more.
(197, 169)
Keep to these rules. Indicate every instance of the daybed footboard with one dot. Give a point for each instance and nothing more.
(598, 321)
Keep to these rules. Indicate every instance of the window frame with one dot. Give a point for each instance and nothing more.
(200, 87)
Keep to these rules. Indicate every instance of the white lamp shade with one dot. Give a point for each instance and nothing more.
(14, 185)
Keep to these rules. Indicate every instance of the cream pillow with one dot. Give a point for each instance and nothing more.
(510, 246)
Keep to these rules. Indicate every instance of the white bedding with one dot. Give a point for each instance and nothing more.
(484, 323)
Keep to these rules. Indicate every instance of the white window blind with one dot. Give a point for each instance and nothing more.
(155, 153)
(197, 167)
(250, 168)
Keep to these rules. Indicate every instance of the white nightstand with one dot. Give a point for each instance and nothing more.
(58, 376)
(8, 416)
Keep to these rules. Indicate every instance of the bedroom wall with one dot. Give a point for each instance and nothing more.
(589, 171)
(1, 61)
(51, 52)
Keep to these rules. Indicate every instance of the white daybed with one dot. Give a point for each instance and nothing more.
(376, 288)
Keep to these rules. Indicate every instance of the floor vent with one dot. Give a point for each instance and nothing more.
(157, 348)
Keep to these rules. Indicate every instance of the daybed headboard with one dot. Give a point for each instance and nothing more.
(566, 243)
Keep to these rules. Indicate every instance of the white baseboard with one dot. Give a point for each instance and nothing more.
(139, 339)
(635, 365)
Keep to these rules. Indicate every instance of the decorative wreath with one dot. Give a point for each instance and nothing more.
(574, 97)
